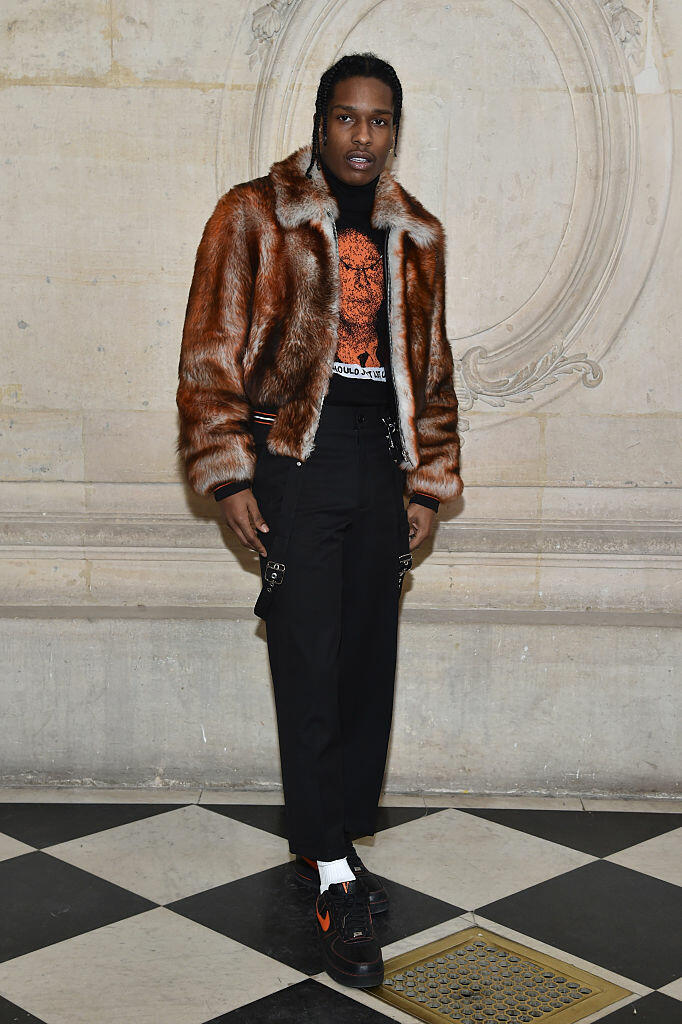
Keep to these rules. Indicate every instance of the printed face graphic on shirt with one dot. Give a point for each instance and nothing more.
(361, 276)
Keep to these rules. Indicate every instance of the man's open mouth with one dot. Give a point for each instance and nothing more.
(360, 160)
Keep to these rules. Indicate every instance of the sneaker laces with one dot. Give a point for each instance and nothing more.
(351, 911)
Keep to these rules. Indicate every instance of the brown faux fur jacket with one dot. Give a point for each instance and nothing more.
(261, 329)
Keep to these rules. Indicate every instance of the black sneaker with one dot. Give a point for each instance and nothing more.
(352, 955)
(378, 897)
(307, 872)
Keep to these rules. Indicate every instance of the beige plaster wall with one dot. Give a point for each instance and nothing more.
(546, 135)
(117, 126)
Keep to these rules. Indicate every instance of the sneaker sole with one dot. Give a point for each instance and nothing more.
(355, 981)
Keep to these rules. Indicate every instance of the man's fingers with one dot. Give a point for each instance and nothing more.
(239, 534)
(246, 536)
(421, 522)
(244, 519)
(253, 540)
(413, 534)
(256, 517)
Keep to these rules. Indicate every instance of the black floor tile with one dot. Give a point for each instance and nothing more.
(599, 833)
(305, 1003)
(272, 913)
(271, 817)
(11, 1014)
(46, 824)
(620, 919)
(389, 817)
(652, 1009)
(45, 900)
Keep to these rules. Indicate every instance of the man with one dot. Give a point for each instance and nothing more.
(315, 390)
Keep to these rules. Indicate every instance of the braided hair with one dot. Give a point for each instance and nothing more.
(364, 65)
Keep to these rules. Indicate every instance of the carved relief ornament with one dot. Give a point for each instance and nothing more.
(564, 338)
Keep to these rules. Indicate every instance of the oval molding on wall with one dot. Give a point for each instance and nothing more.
(602, 58)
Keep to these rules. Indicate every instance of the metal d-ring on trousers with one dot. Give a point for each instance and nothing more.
(340, 535)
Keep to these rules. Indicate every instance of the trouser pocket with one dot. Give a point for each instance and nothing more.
(281, 510)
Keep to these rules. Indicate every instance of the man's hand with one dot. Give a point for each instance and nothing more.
(243, 516)
(420, 519)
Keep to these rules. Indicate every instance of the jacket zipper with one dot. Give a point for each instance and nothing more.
(387, 274)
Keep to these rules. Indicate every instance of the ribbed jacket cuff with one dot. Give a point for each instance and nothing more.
(232, 487)
(418, 498)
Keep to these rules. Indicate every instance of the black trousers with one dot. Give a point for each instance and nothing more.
(332, 626)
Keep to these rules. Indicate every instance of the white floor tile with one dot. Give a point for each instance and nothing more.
(10, 847)
(674, 989)
(175, 854)
(660, 857)
(155, 968)
(467, 860)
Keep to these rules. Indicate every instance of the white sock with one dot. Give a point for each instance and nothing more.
(334, 871)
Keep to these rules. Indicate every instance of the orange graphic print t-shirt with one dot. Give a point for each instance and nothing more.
(361, 279)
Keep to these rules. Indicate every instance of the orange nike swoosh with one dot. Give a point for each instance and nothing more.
(324, 921)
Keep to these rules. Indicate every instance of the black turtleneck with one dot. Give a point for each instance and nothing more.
(362, 369)
(352, 199)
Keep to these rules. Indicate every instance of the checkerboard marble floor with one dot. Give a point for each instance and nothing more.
(123, 907)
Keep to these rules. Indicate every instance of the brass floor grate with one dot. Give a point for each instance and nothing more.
(478, 977)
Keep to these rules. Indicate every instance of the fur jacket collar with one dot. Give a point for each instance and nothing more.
(262, 320)
(299, 199)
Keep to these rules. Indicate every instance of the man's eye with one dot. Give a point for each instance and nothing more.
(379, 120)
(341, 116)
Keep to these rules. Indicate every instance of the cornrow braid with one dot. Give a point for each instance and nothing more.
(364, 65)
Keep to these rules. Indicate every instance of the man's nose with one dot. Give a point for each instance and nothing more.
(362, 135)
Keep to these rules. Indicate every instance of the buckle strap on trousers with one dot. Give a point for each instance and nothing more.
(275, 566)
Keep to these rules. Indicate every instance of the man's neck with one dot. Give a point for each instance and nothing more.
(357, 199)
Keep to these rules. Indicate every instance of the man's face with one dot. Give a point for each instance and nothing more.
(359, 129)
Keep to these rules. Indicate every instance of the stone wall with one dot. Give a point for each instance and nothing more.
(540, 632)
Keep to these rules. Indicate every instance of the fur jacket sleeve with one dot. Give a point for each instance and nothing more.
(436, 472)
(215, 440)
